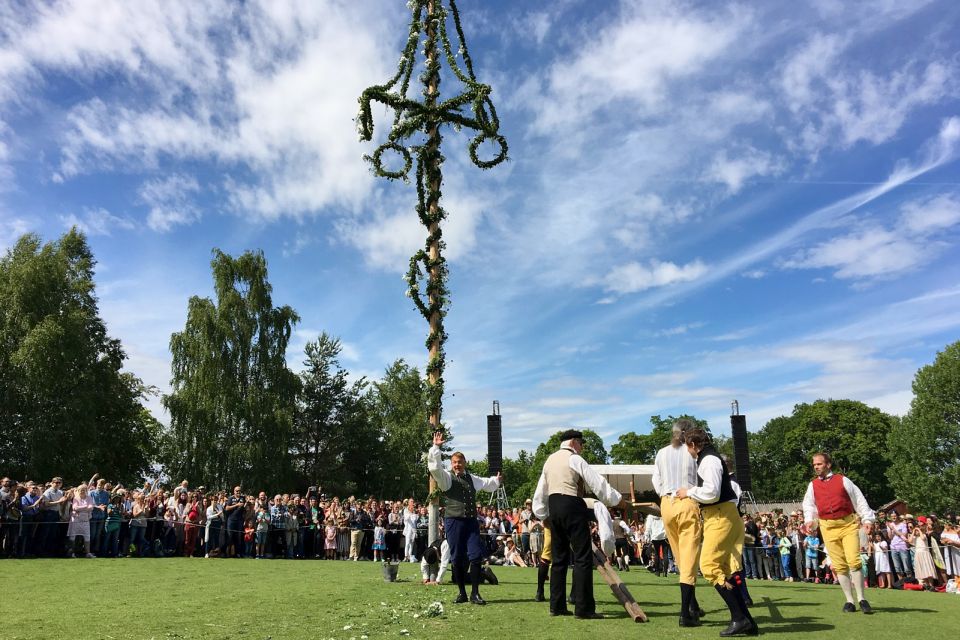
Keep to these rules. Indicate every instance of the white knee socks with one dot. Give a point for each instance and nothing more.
(844, 579)
(856, 577)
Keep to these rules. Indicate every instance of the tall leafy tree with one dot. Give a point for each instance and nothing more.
(233, 399)
(853, 433)
(66, 407)
(332, 426)
(637, 448)
(398, 405)
(925, 446)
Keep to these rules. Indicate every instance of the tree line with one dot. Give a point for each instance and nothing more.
(239, 413)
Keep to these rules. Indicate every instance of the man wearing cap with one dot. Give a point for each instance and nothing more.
(674, 469)
(460, 522)
(836, 502)
(564, 482)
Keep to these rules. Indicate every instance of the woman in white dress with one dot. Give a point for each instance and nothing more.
(950, 539)
(923, 569)
(881, 561)
(409, 530)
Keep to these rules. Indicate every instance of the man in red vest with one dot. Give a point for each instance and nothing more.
(836, 502)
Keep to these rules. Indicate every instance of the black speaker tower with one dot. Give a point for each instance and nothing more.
(495, 441)
(741, 450)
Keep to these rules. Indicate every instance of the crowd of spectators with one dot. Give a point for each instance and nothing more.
(901, 551)
(98, 519)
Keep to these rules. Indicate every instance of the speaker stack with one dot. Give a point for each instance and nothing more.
(741, 450)
(495, 440)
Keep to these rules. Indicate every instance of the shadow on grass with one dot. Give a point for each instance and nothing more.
(797, 625)
(903, 610)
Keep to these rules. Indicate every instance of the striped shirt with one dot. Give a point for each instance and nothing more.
(674, 468)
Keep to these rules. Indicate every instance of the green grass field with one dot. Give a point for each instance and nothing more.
(252, 599)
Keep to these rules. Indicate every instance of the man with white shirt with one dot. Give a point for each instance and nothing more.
(460, 524)
(564, 482)
(674, 469)
(836, 502)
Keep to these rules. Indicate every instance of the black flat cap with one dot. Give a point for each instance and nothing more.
(571, 434)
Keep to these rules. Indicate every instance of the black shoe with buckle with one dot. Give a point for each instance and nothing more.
(460, 599)
(476, 599)
(686, 621)
(865, 607)
(562, 612)
(848, 607)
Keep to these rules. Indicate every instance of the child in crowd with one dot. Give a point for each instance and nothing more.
(812, 552)
(827, 567)
(330, 538)
(784, 545)
(379, 541)
(881, 561)
(263, 528)
(249, 537)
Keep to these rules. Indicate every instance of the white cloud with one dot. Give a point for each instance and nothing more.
(678, 330)
(11, 229)
(739, 334)
(634, 58)
(170, 201)
(387, 240)
(263, 89)
(874, 250)
(301, 240)
(98, 222)
(928, 216)
(754, 274)
(838, 104)
(735, 171)
(633, 276)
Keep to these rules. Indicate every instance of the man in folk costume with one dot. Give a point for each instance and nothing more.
(836, 501)
(605, 531)
(674, 470)
(721, 555)
(562, 486)
(460, 515)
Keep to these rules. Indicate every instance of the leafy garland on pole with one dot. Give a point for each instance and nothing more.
(413, 118)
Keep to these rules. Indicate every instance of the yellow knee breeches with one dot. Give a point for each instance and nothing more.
(546, 555)
(841, 537)
(681, 519)
(722, 551)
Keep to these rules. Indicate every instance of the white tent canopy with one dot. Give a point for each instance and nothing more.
(620, 475)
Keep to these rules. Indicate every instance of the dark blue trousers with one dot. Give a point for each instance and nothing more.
(463, 537)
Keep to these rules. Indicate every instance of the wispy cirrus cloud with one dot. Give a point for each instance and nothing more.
(98, 222)
(633, 276)
(170, 200)
(874, 250)
(838, 102)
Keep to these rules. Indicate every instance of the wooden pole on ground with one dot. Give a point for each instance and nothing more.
(619, 589)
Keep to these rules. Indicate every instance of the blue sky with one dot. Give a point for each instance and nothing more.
(705, 201)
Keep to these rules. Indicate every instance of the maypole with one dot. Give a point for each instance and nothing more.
(419, 122)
